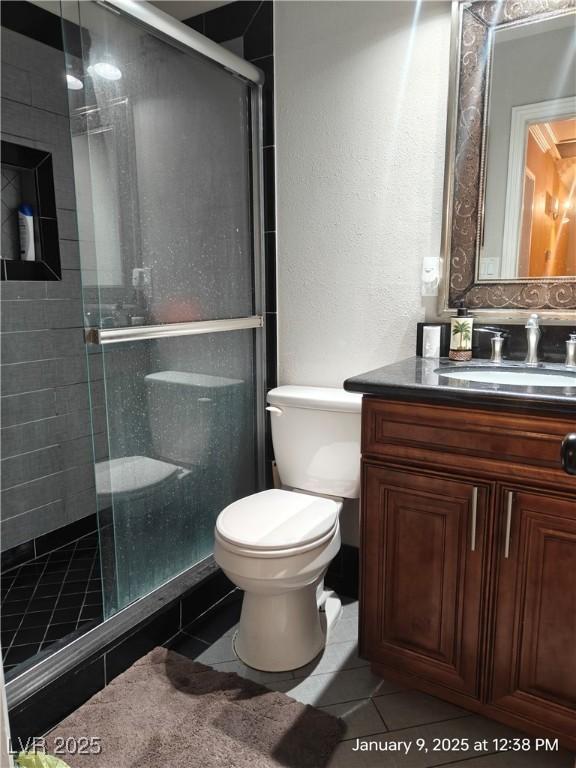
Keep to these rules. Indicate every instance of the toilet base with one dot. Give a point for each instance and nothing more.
(330, 610)
(278, 633)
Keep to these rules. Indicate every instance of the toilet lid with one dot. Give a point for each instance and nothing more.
(129, 475)
(277, 519)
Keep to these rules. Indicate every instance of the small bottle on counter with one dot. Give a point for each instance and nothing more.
(461, 334)
(571, 351)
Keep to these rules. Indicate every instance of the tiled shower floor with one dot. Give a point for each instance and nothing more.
(49, 598)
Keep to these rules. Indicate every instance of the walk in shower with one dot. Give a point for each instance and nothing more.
(165, 132)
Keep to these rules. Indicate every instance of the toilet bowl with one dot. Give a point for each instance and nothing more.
(276, 545)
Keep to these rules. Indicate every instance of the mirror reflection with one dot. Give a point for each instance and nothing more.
(547, 247)
(530, 194)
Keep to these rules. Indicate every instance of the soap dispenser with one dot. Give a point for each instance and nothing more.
(461, 334)
(571, 351)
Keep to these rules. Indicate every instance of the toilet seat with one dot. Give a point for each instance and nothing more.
(277, 521)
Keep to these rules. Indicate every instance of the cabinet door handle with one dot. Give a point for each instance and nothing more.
(474, 518)
(508, 523)
(568, 453)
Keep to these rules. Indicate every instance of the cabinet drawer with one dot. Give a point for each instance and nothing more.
(389, 426)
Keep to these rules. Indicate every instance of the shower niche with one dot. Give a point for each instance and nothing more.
(28, 182)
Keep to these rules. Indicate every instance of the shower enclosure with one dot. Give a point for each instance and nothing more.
(166, 140)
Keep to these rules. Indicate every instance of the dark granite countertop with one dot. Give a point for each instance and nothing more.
(418, 378)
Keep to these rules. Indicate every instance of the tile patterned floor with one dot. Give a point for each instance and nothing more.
(374, 710)
(50, 598)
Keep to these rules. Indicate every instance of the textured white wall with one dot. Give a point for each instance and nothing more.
(360, 134)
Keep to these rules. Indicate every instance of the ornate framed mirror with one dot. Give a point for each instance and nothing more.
(509, 235)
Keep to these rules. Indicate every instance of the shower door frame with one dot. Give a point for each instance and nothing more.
(158, 23)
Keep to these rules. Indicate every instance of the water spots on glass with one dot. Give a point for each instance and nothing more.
(181, 447)
(163, 151)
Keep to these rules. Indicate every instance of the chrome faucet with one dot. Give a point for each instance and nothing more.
(497, 341)
(533, 334)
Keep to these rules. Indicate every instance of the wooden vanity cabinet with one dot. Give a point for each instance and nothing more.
(533, 671)
(423, 565)
(468, 557)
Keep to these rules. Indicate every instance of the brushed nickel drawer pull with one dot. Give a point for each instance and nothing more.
(508, 523)
(474, 518)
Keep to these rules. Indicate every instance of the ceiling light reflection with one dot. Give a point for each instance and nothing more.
(74, 83)
(105, 70)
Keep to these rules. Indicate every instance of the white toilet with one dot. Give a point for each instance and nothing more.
(276, 545)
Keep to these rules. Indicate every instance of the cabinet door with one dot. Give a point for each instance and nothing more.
(534, 668)
(423, 539)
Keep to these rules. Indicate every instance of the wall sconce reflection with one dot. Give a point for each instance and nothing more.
(552, 206)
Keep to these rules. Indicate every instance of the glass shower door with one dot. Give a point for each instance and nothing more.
(162, 141)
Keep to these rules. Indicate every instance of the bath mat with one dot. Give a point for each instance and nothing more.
(167, 711)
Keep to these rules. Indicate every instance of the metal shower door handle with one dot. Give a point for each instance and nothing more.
(170, 330)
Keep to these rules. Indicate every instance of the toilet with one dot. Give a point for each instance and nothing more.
(276, 545)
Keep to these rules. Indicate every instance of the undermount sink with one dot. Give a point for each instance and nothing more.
(524, 377)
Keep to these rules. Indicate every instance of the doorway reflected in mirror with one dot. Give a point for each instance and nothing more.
(547, 243)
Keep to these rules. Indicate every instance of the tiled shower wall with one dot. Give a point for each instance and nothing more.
(47, 459)
(11, 199)
(47, 472)
(246, 28)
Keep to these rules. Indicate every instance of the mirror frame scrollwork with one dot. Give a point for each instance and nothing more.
(474, 23)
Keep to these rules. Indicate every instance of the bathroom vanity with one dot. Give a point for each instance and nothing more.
(468, 540)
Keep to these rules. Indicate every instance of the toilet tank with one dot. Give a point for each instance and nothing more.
(316, 439)
(190, 415)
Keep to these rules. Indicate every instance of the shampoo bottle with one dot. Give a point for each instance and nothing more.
(26, 229)
(461, 334)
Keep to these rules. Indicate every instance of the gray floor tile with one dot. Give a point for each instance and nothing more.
(361, 718)
(349, 608)
(345, 757)
(187, 646)
(409, 708)
(343, 631)
(342, 684)
(333, 658)
(220, 650)
(265, 678)
(210, 634)
(560, 759)
(222, 620)
(478, 731)
(347, 685)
